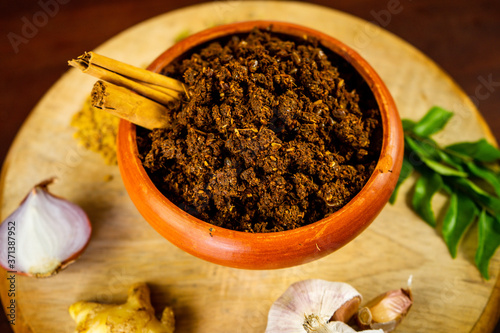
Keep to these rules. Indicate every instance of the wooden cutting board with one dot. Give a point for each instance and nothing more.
(450, 295)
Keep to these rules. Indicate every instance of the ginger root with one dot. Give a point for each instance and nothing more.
(134, 316)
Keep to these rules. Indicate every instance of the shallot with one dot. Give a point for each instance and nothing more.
(44, 234)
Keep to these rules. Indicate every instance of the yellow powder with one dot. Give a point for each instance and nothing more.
(96, 131)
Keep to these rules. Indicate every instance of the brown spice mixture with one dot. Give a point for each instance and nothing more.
(272, 138)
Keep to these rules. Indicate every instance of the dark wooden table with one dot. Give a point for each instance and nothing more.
(461, 36)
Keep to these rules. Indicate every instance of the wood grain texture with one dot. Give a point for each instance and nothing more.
(449, 294)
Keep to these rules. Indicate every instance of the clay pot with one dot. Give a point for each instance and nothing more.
(267, 250)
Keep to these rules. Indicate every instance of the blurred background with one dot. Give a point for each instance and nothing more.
(461, 36)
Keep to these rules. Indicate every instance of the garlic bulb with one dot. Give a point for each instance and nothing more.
(314, 306)
(337, 327)
(43, 235)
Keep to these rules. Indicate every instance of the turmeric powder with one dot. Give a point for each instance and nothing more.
(96, 130)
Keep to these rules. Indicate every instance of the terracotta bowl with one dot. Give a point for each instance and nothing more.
(267, 250)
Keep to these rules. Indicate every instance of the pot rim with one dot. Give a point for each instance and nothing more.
(384, 176)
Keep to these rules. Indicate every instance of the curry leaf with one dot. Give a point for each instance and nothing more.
(480, 150)
(486, 174)
(454, 161)
(459, 171)
(406, 170)
(487, 201)
(428, 153)
(427, 185)
(461, 213)
(488, 241)
(408, 124)
(433, 121)
(443, 169)
(421, 148)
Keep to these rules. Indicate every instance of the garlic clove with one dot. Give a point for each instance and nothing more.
(311, 305)
(387, 310)
(347, 310)
(44, 234)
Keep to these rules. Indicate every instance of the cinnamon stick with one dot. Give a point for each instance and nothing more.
(133, 72)
(128, 105)
(157, 87)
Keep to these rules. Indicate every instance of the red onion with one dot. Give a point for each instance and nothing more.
(43, 235)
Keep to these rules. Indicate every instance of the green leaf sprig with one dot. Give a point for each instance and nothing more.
(466, 172)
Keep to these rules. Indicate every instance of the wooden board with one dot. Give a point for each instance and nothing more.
(450, 295)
